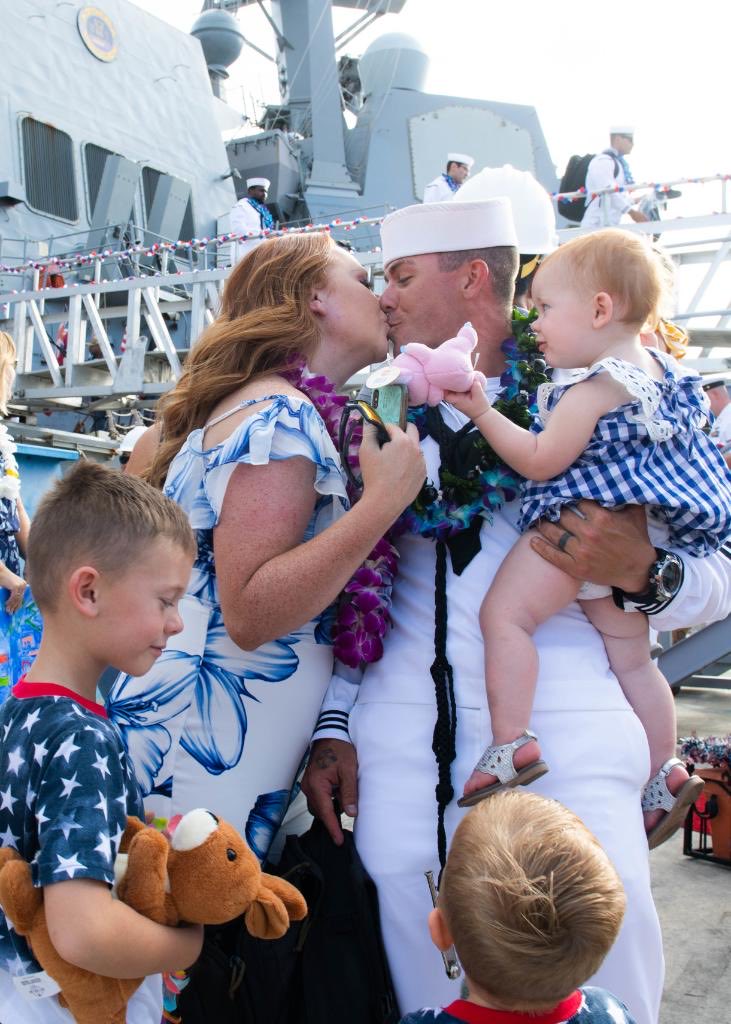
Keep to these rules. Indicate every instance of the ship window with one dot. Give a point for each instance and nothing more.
(187, 229)
(95, 158)
(48, 162)
(150, 178)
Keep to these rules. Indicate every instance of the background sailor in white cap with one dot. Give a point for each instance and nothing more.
(606, 170)
(446, 263)
(458, 170)
(128, 444)
(717, 393)
(250, 214)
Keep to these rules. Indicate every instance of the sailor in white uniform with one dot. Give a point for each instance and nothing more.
(607, 170)
(720, 402)
(250, 215)
(444, 187)
(594, 743)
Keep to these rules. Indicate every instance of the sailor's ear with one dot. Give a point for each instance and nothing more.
(476, 273)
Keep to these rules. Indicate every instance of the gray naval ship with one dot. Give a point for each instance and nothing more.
(112, 159)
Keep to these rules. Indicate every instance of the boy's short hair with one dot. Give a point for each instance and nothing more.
(531, 899)
(621, 264)
(101, 517)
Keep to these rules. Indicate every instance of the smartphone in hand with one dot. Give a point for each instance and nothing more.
(391, 402)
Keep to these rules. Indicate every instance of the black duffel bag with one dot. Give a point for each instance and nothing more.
(329, 967)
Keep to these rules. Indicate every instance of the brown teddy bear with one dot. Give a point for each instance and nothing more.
(205, 874)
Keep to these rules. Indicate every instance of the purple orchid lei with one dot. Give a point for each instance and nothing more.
(363, 612)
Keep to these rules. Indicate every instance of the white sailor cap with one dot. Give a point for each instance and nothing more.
(253, 182)
(131, 438)
(622, 129)
(460, 158)
(715, 382)
(447, 227)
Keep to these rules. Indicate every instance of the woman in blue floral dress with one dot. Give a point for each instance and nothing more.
(20, 620)
(224, 718)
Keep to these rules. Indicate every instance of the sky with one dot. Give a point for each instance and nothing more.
(584, 66)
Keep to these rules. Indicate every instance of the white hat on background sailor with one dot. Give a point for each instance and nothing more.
(460, 158)
(131, 438)
(258, 183)
(622, 129)
(451, 226)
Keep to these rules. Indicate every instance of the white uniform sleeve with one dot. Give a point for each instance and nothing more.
(437, 191)
(244, 218)
(600, 174)
(341, 695)
(704, 595)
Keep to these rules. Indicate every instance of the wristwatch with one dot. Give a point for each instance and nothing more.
(663, 583)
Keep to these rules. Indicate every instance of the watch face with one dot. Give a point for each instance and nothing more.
(668, 576)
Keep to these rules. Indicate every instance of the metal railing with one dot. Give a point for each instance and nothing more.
(117, 339)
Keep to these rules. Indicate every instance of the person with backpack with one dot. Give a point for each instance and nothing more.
(606, 170)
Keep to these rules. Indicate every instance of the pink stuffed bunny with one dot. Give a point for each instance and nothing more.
(428, 373)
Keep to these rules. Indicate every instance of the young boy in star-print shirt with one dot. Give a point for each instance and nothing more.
(109, 557)
(532, 905)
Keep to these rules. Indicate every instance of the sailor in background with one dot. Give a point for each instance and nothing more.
(718, 397)
(250, 215)
(442, 188)
(607, 169)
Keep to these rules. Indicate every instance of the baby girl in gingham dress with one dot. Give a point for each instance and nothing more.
(627, 431)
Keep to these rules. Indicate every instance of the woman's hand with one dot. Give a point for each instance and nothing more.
(472, 403)
(17, 593)
(394, 474)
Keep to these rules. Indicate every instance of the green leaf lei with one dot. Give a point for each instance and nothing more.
(488, 482)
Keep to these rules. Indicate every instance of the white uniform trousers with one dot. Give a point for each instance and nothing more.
(597, 772)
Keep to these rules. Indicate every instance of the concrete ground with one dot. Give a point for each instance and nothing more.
(693, 897)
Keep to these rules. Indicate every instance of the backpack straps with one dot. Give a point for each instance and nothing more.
(615, 158)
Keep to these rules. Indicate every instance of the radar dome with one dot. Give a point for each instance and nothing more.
(393, 61)
(220, 36)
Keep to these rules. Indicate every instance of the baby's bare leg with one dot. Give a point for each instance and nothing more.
(627, 643)
(526, 591)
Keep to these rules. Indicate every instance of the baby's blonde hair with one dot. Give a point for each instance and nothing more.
(619, 263)
(531, 899)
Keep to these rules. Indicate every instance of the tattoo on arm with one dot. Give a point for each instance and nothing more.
(325, 758)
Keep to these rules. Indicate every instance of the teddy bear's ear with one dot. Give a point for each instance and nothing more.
(289, 894)
(276, 902)
(134, 825)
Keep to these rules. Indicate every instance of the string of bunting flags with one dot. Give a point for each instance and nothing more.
(637, 187)
(56, 264)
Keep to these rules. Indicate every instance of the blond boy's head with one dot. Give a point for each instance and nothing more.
(530, 900)
(97, 516)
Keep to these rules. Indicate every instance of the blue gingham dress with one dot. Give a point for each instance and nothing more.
(649, 451)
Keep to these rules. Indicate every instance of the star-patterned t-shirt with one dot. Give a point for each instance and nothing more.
(587, 1005)
(66, 788)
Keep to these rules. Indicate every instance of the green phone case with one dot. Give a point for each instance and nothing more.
(391, 403)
